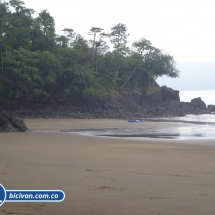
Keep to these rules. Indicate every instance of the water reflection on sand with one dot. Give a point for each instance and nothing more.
(188, 127)
(196, 131)
(200, 126)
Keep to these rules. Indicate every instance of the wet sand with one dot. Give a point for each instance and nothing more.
(101, 175)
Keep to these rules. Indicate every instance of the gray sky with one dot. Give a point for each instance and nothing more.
(193, 76)
(182, 28)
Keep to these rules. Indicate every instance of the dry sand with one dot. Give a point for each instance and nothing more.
(107, 176)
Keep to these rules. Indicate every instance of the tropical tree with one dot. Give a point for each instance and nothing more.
(119, 38)
(152, 63)
(46, 24)
(94, 31)
(70, 35)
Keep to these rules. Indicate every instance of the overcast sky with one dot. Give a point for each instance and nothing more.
(193, 76)
(182, 28)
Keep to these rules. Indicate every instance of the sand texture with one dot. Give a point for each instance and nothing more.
(107, 176)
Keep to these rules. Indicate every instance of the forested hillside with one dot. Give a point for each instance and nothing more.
(39, 65)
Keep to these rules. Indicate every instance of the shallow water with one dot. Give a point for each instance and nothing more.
(210, 118)
(188, 127)
(195, 131)
(198, 126)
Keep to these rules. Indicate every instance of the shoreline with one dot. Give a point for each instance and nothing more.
(150, 129)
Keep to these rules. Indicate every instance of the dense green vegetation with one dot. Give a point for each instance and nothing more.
(37, 64)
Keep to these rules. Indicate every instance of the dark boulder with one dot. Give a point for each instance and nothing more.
(11, 123)
(211, 108)
(169, 94)
(197, 102)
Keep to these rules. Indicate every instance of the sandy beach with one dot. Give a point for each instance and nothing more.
(107, 176)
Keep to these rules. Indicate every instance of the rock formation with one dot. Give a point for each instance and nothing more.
(11, 123)
(157, 102)
(169, 94)
(197, 102)
(211, 108)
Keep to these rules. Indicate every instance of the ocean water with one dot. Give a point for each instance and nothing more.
(199, 119)
(208, 96)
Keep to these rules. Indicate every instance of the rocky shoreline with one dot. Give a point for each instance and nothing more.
(158, 102)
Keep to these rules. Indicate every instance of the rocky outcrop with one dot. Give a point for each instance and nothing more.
(160, 94)
(169, 94)
(11, 123)
(211, 108)
(164, 101)
(197, 102)
(158, 102)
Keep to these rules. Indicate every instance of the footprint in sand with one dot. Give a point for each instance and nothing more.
(90, 170)
(108, 188)
(159, 198)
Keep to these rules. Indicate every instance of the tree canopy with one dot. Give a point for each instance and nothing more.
(39, 65)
